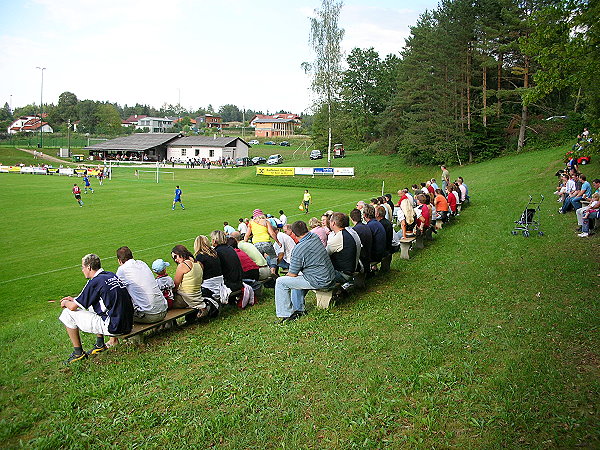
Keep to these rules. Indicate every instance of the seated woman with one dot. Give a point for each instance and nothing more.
(315, 226)
(425, 208)
(249, 268)
(213, 283)
(230, 263)
(451, 199)
(441, 205)
(592, 212)
(408, 221)
(261, 231)
(188, 282)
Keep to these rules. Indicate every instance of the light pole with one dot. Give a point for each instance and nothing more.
(41, 107)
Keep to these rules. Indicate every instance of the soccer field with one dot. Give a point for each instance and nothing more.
(46, 233)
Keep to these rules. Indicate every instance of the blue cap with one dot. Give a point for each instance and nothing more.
(159, 265)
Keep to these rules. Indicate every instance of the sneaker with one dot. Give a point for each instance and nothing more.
(95, 350)
(560, 211)
(202, 312)
(76, 357)
(347, 286)
(583, 234)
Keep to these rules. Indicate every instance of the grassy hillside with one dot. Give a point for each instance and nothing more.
(482, 339)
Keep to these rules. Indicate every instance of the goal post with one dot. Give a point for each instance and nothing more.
(153, 175)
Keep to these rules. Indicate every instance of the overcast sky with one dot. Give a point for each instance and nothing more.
(243, 52)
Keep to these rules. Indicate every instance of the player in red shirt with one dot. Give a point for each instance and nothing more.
(77, 193)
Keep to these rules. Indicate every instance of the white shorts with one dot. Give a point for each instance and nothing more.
(84, 320)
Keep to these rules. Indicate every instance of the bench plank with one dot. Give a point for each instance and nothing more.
(172, 315)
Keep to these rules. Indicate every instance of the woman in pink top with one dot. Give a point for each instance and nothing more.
(314, 226)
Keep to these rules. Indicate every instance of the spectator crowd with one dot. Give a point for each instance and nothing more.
(233, 265)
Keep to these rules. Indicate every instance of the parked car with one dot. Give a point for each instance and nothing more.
(253, 142)
(242, 162)
(284, 144)
(316, 154)
(270, 143)
(338, 151)
(275, 159)
(258, 160)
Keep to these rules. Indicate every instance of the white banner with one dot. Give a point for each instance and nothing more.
(303, 170)
(26, 169)
(39, 171)
(348, 171)
(65, 171)
(4, 169)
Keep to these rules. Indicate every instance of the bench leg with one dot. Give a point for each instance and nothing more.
(323, 298)
(404, 249)
(419, 241)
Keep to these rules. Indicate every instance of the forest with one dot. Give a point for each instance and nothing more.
(475, 78)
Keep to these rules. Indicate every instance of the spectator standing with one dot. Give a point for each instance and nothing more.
(445, 177)
(310, 268)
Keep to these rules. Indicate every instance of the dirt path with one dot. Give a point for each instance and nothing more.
(44, 156)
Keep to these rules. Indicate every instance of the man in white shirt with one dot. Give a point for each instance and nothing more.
(149, 303)
(283, 252)
(282, 218)
(243, 227)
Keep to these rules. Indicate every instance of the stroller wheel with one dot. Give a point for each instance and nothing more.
(525, 233)
(514, 233)
(540, 233)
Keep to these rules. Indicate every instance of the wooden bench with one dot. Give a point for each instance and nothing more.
(405, 246)
(170, 320)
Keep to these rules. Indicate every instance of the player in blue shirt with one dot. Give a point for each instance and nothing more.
(177, 198)
(87, 186)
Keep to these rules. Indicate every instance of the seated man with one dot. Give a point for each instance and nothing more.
(104, 308)
(389, 230)
(573, 200)
(310, 258)
(149, 303)
(249, 249)
(342, 248)
(378, 233)
(283, 251)
(365, 236)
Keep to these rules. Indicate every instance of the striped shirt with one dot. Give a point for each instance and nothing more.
(311, 258)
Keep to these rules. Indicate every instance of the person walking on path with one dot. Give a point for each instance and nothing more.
(306, 200)
(177, 198)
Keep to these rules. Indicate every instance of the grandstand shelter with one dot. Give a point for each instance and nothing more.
(137, 147)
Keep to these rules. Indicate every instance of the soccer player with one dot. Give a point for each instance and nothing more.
(87, 186)
(177, 198)
(77, 193)
(306, 200)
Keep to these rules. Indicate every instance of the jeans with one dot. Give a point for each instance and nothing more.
(586, 222)
(571, 202)
(272, 262)
(289, 295)
(579, 214)
(341, 277)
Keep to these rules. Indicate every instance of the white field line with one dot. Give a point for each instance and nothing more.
(133, 251)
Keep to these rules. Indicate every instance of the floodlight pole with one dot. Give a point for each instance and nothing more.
(41, 107)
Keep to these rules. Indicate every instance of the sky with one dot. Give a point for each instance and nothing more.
(192, 52)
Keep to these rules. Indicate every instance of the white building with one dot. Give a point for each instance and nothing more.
(29, 124)
(210, 148)
(154, 124)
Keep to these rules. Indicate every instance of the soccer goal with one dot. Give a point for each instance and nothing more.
(153, 175)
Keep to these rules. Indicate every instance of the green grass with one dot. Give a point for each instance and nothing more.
(481, 340)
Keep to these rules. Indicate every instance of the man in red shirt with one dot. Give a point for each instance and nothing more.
(77, 193)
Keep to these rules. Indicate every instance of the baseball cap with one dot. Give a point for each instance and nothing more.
(159, 265)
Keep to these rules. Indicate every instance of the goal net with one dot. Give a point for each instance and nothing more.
(153, 175)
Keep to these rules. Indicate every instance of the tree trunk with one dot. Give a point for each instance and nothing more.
(329, 134)
(469, 86)
(524, 112)
(577, 100)
(484, 87)
(499, 102)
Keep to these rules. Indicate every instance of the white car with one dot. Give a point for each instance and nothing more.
(253, 142)
(275, 159)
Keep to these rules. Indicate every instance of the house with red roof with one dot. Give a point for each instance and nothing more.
(132, 121)
(29, 124)
(275, 124)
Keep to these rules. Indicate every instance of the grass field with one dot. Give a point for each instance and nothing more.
(481, 340)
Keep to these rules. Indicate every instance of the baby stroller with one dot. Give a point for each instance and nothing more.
(527, 223)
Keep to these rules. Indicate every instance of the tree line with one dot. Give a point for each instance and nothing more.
(96, 117)
(476, 77)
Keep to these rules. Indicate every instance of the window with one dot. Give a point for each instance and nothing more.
(183, 152)
(211, 153)
(197, 152)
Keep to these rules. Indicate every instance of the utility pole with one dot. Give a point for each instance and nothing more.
(41, 108)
